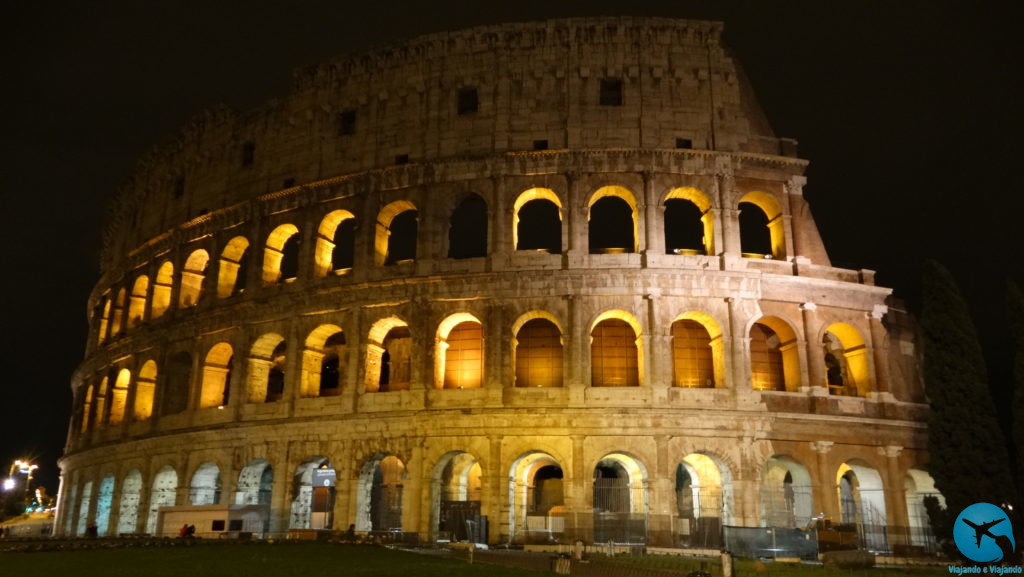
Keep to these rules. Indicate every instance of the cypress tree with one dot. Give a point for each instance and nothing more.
(968, 456)
(1015, 310)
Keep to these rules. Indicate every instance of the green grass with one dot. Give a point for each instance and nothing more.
(751, 568)
(249, 560)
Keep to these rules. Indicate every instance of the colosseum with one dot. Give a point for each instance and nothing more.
(533, 282)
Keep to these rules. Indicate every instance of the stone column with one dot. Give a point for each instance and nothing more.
(826, 500)
(879, 356)
(897, 518)
(576, 356)
(342, 463)
(739, 345)
(578, 504)
(794, 190)
(413, 518)
(494, 504)
(662, 496)
(576, 220)
(815, 359)
(281, 494)
(654, 221)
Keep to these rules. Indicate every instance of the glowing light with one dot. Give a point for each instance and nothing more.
(8, 484)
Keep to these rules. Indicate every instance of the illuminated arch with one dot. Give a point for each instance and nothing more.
(698, 351)
(255, 483)
(455, 479)
(312, 503)
(163, 493)
(786, 493)
(234, 265)
(117, 322)
(86, 414)
(678, 224)
(278, 252)
(459, 353)
(703, 488)
(536, 497)
(266, 369)
(193, 276)
(846, 361)
(616, 350)
(538, 350)
(323, 362)
(774, 358)
(104, 331)
(119, 396)
(128, 511)
(861, 494)
(767, 204)
(330, 254)
(99, 403)
(379, 496)
(388, 356)
(919, 485)
(145, 387)
(384, 248)
(162, 290)
(217, 369)
(537, 229)
(603, 197)
(137, 302)
(205, 488)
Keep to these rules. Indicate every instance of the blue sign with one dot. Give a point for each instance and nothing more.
(983, 533)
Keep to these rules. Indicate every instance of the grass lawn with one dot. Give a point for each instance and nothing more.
(249, 560)
(751, 568)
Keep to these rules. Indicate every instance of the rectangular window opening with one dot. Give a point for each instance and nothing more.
(179, 187)
(235, 525)
(468, 101)
(346, 122)
(401, 159)
(248, 153)
(217, 525)
(540, 144)
(611, 92)
(684, 143)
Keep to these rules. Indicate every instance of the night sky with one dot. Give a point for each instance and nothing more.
(909, 112)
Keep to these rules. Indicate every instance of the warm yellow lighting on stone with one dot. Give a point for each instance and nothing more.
(703, 203)
(458, 354)
(230, 263)
(162, 290)
(527, 196)
(216, 375)
(616, 350)
(776, 223)
(324, 251)
(137, 304)
(273, 253)
(313, 356)
(192, 277)
(382, 230)
(145, 386)
(119, 396)
(262, 360)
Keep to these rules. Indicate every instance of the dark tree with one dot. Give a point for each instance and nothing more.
(968, 457)
(1015, 310)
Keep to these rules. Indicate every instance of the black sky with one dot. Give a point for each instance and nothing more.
(909, 112)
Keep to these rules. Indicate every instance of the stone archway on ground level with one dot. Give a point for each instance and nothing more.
(537, 498)
(455, 499)
(313, 493)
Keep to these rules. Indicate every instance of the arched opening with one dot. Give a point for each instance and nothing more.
(620, 500)
(774, 360)
(786, 497)
(612, 214)
(459, 356)
(69, 506)
(137, 303)
(697, 351)
(846, 361)
(396, 232)
(217, 368)
(614, 351)
(323, 362)
(703, 493)
(379, 506)
(537, 221)
(388, 356)
(104, 499)
(538, 353)
(128, 511)
(920, 485)
(145, 386)
(162, 290)
(455, 499)
(86, 414)
(193, 276)
(313, 494)
(335, 243)
(99, 403)
(467, 229)
(119, 396)
(178, 383)
(266, 369)
(255, 486)
(761, 227)
(83, 508)
(102, 334)
(117, 323)
(862, 503)
(205, 487)
(281, 255)
(162, 494)
(537, 498)
(689, 224)
(234, 268)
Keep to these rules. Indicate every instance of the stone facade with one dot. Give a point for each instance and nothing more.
(410, 271)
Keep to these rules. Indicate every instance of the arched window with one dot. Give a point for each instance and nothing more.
(275, 377)
(234, 268)
(612, 214)
(396, 231)
(105, 310)
(162, 290)
(86, 414)
(380, 494)
(281, 254)
(323, 362)
(614, 354)
(774, 362)
(846, 361)
(217, 368)
(119, 396)
(178, 383)
(192, 278)
(388, 356)
(117, 324)
(205, 488)
(145, 386)
(460, 353)
(99, 403)
(335, 243)
(692, 357)
(538, 354)
(761, 227)
(689, 224)
(537, 221)
(137, 303)
(467, 232)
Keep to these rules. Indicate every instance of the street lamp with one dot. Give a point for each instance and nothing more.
(26, 468)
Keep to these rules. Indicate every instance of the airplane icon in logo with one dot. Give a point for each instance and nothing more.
(982, 529)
